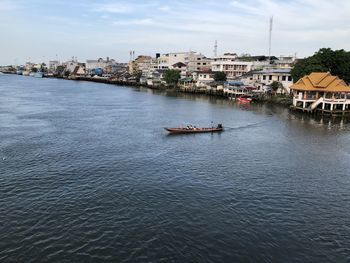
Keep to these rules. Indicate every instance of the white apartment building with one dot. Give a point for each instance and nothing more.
(198, 62)
(53, 64)
(285, 62)
(262, 79)
(99, 63)
(166, 61)
(194, 61)
(233, 67)
(203, 78)
(71, 64)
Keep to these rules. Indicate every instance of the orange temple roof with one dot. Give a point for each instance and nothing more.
(321, 81)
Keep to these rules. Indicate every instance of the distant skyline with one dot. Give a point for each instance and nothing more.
(41, 30)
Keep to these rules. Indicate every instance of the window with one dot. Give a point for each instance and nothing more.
(283, 78)
(289, 78)
(198, 63)
(205, 76)
(264, 77)
(204, 63)
(270, 77)
(198, 58)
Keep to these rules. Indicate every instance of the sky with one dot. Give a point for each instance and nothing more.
(43, 30)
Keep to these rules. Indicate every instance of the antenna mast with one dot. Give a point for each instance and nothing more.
(270, 37)
(216, 48)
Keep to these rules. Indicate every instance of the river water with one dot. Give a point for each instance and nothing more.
(87, 174)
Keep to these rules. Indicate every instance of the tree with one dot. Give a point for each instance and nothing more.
(171, 77)
(337, 62)
(67, 73)
(220, 76)
(275, 85)
(138, 76)
(34, 70)
(59, 70)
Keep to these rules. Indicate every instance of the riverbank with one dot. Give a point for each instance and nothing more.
(279, 99)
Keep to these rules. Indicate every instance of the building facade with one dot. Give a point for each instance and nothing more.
(320, 91)
(262, 79)
(233, 67)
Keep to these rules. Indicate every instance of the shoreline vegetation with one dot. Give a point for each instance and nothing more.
(276, 99)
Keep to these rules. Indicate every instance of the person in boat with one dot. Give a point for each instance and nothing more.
(219, 126)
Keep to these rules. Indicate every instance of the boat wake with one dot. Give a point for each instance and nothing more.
(244, 127)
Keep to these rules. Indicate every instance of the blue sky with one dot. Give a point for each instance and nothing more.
(42, 29)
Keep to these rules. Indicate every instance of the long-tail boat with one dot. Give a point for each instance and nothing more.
(192, 129)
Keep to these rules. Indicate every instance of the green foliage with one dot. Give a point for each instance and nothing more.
(220, 76)
(138, 76)
(59, 70)
(337, 62)
(67, 73)
(172, 76)
(275, 85)
(34, 70)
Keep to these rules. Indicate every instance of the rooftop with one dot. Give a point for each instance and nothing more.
(321, 81)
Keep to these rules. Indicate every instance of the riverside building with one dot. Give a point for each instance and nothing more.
(320, 91)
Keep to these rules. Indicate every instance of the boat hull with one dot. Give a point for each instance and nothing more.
(197, 130)
(244, 100)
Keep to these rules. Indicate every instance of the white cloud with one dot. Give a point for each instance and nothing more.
(7, 6)
(164, 8)
(240, 26)
(146, 21)
(117, 8)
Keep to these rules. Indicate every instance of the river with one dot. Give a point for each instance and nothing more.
(88, 174)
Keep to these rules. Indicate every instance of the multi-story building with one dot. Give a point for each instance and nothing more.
(53, 64)
(262, 79)
(203, 78)
(234, 67)
(284, 62)
(198, 62)
(92, 64)
(194, 61)
(71, 65)
(181, 67)
(167, 61)
(143, 64)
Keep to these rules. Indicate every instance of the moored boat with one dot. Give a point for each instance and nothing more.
(38, 74)
(245, 99)
(190, 129)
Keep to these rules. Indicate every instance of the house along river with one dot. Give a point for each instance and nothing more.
(88, 174)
